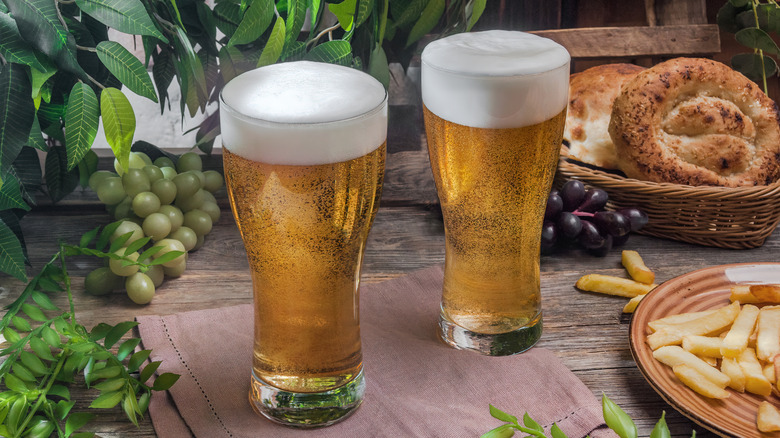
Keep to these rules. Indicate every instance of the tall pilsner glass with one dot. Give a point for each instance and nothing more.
(494, 106)
(304, 156)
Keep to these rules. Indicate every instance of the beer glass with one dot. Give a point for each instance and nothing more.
(304, 153)
(494, 108)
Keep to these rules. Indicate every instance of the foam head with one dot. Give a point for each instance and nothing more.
(495, 79)
(303, 113)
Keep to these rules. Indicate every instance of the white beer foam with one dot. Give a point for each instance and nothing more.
(495, 79)
(303, 113)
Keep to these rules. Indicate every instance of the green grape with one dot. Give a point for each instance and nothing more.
(168, 172)
(111, 191)
(153, 173)
(164, 162)
(140, 288)
(135, 162)
(191, 202)
(212, 210)
(177, 269)
(199, 221)
(208, 197)
(189, 161)
(156, 273)
(97, 177)
(124, 210)
(199, 243)
(165, 190)
(101, 281)
(128, 227)
(135, 182)
(201, 176)
(157, 226)
(187, 184)
(145, 203)
(214, 180)
(117, 265)
(144, 157)
(174, 215)
(186, 236)
(169, 245)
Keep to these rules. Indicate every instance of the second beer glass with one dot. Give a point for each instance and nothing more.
(304, 155)
(494, 108)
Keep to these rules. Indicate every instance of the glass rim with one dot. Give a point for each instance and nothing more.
(488, 75)
(224, 105)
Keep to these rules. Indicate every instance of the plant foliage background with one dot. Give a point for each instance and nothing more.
(60, 74)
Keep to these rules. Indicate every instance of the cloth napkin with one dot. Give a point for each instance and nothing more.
(416, 386)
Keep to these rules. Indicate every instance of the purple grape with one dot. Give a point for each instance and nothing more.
(611, 222)
(637, 217)
(569, 224)
(549, 234)
(595, 200)
(590, 237)
(619, 241)
(572, 194)
(554, 206)
(604, 249)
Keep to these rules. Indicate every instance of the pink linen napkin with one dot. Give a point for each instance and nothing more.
(415, 385)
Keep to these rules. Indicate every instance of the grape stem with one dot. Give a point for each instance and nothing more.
(582, 213)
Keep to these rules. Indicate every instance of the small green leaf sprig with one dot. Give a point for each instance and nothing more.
(615, 418)
(47, 348)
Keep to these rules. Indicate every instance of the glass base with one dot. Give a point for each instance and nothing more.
(306, 409)
(500, 344)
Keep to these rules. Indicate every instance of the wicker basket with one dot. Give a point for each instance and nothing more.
(736, 218)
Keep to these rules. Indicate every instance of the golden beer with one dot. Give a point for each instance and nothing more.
(494, 108)
(304, 183)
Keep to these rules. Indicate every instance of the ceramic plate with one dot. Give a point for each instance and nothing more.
(695, 291)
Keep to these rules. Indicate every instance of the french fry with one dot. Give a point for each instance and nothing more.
(711, 361)
(708, 346)
(636, 267)
(737, 338)
(741, 293)
(768, 418)
(731, 368)
(755, 381)
(632, 303)
(693, 379)
(673, 355)
(756, 293)
(673, 320)
(705, 325)
(769, 372)
(768, 332)
(610, 285)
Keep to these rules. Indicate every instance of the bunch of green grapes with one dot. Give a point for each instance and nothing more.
(173, 204)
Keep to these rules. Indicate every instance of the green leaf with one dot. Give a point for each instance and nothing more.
(39, 80)
(60, 391)
(117, 332)
(167, 257)
(427, 21)
(127, 347)
(12, 46)
(165, 381)
(81, 122)
(228, 17)
(38, 24)
(477, 8)
(531, 423)
(118, 123)
(11, 255)
(111, 384)
(41, 348)
(127, 68)
(59, 180)
(295, 52)
(163, 72)
(402, 17)
(36, 139)
(14, 383)
(739, 3)
(76, 421)
(148, 371)
(16, 113)
(137, 359)
(661, 430)
(20, 323)
(616, 419)
(378, 67)
(254, 23)
(99, 331)
(51, 337)
(556, 431)
(23, 373)
(345, 13)
(33, 312)
(749, 64)
(230, 59)
(33, 363)
(503, 431)
(296, 15)
(11, 193)
(43, 301)
(128, 16)
(89, 236)
(756, 38)
(105, 373)
(105, 235)
(334, 52)
(273, 48)
(727, 18)
(501, 415)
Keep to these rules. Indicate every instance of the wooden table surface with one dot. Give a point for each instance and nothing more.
(588, 332)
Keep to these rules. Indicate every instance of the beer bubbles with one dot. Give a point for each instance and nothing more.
(575, 214)
(170, 203)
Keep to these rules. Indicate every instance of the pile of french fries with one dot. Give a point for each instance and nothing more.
(641, 282)
(736, 346)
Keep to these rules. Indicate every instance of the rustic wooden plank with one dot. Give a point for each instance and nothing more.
(633, 42)
(670, 12)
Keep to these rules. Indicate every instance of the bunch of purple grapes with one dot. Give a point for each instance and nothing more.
(575, 214)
